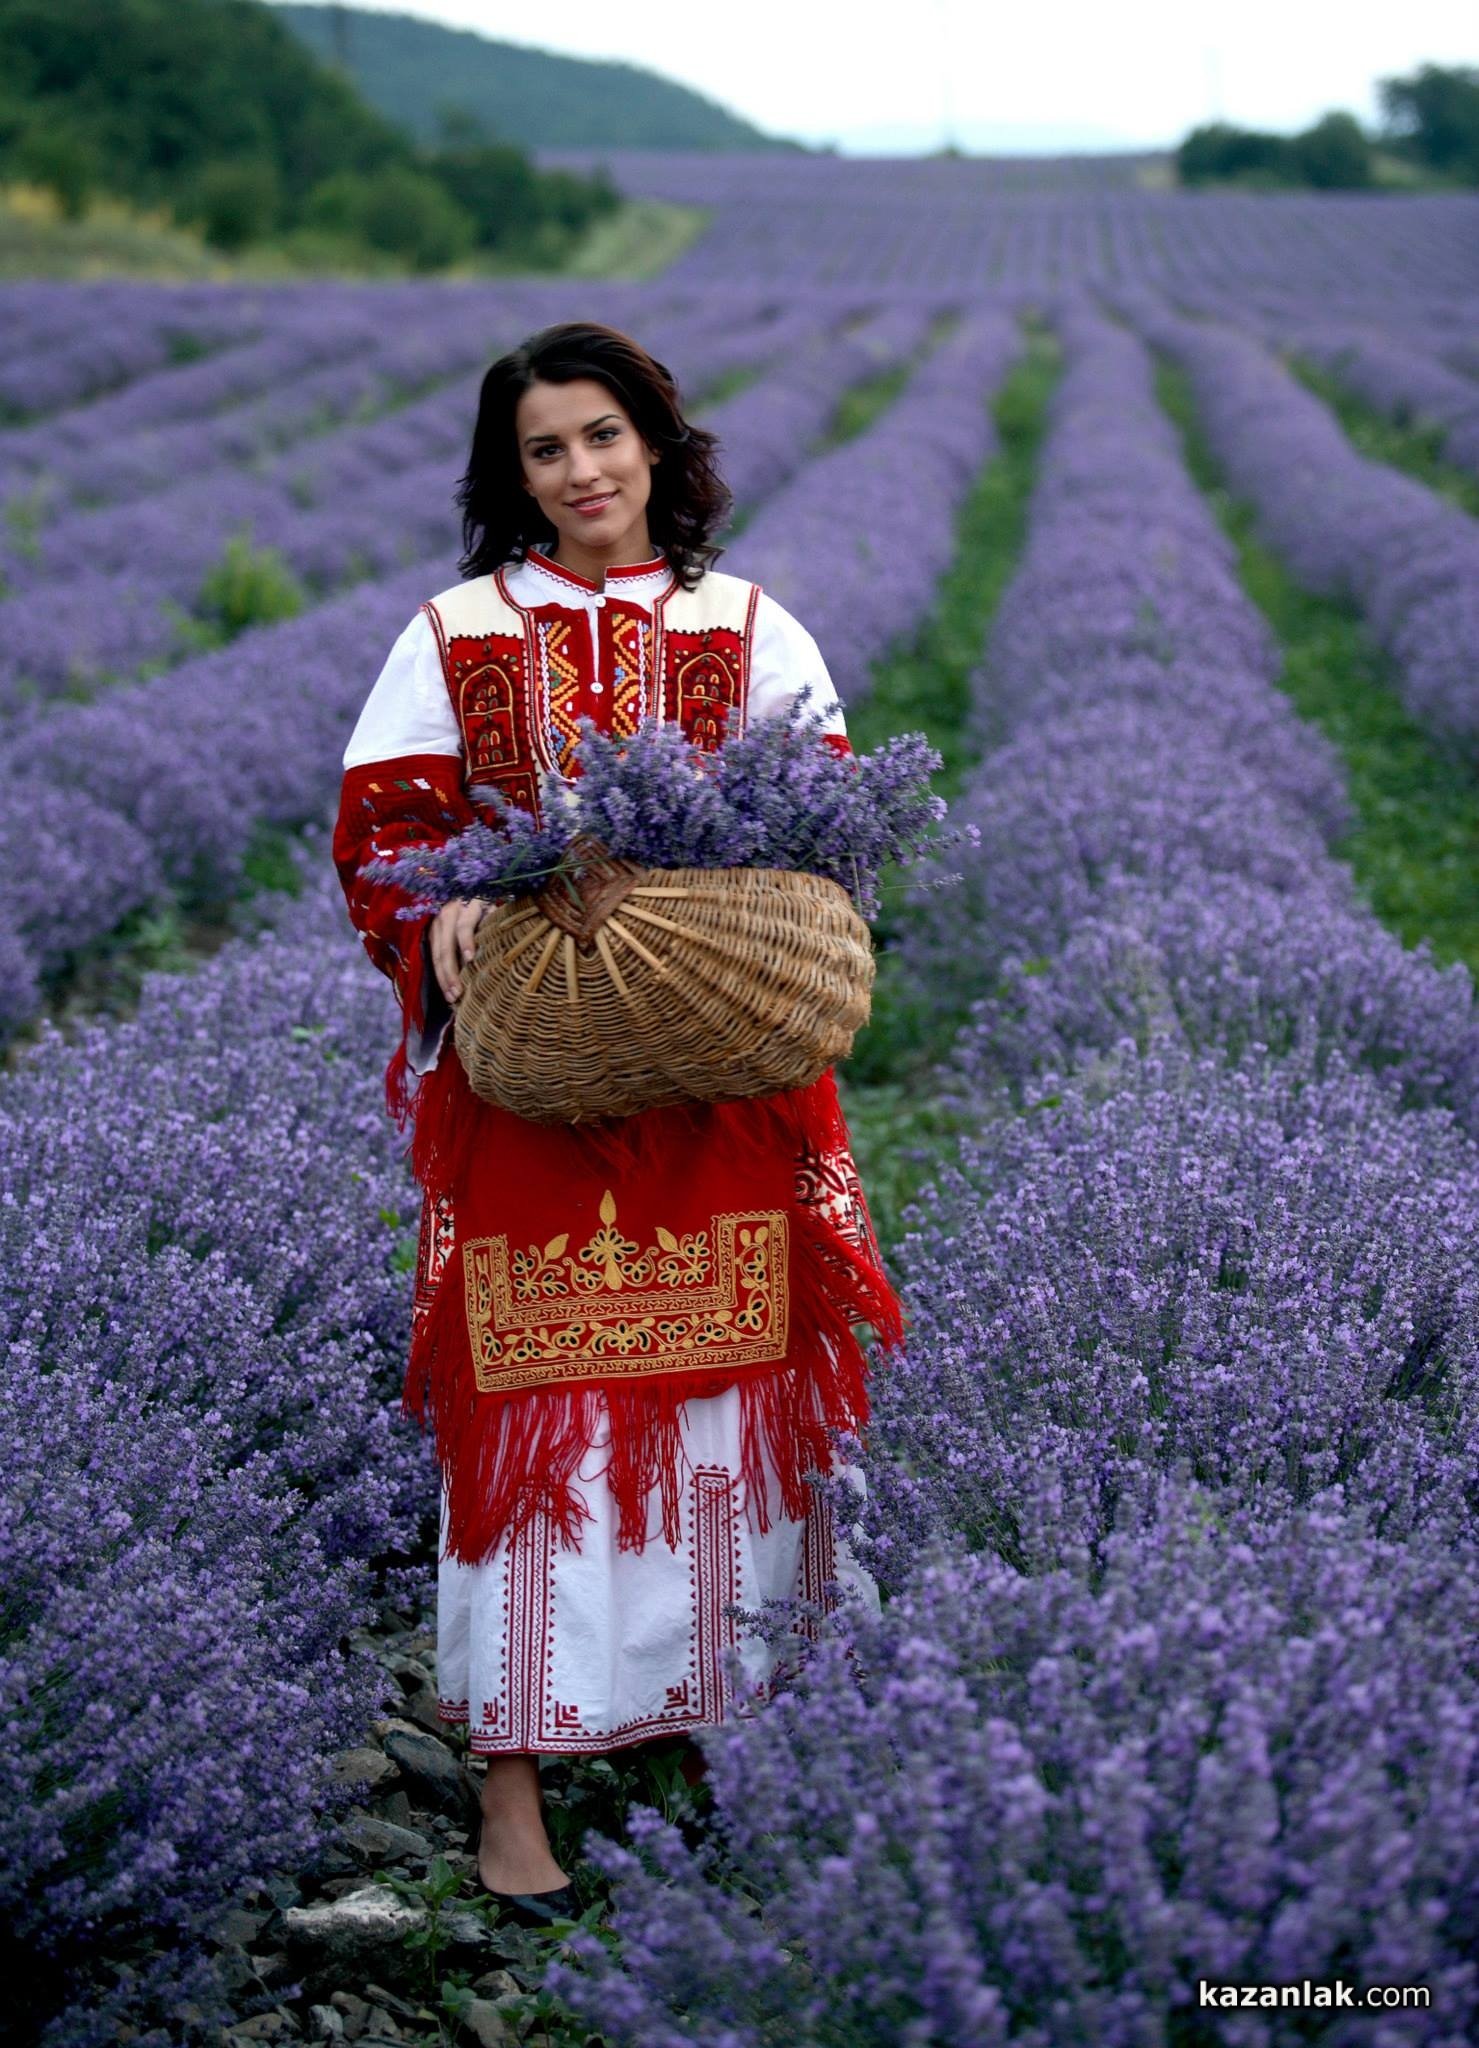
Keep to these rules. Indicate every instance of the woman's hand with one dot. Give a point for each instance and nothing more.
(452, 941)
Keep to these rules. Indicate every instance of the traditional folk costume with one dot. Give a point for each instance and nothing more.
(622, 1332)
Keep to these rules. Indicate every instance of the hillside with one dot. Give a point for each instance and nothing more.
(214, 116)
(146, 95)
(408, 69)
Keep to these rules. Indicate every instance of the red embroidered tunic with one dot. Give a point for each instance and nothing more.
(569, 1277)
(561, 1626)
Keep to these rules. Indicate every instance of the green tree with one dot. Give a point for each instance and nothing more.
(216, 109)
(515, 207)
(1219, 151)
(236, 203)
(494, 184)
(1433, 114)
(405, 212)
(1334, 154)
(62, 161)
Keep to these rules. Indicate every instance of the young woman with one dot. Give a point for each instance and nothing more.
(619, 1396)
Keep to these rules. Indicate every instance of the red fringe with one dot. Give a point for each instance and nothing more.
(508, 1457)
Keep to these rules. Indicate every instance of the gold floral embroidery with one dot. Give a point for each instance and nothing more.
(539, 1314)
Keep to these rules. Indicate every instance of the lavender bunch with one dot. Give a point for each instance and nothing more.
(773, 797)
(509, 854)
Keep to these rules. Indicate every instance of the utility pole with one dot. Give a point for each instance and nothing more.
(947, 66)
(1214, 82)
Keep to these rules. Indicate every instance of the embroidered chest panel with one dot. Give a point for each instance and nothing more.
(487, 680)
(519, 694)
(565, 686)
(704, 683)
(540, 1315)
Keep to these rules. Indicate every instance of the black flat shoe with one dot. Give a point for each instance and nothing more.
(528, 1909)
(535, 1909)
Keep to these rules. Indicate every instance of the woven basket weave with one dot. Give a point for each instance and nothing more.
(645, 986)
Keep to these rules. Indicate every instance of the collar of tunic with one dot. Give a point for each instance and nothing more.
(539, 580)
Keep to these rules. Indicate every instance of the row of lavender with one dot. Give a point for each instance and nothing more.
(68, 342)
(345, 504)
(204, 1299)
(895, 494)
(1411, 367)
(1344, 524)
(988, 225)
(205, 1303)
(99, 591)
(162, 786)
(1434, 1057)
(1173, 1493)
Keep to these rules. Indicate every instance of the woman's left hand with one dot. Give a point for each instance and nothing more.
(452, 941)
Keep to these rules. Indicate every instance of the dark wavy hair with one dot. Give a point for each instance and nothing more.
(501, 520)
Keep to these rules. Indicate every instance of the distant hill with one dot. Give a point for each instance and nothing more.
(220, 112)
(152, 92)
(408, 69)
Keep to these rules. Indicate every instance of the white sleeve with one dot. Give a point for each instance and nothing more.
(783, 657)
(408, 711)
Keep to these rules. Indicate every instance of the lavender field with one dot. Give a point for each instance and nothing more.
(1174, 1125)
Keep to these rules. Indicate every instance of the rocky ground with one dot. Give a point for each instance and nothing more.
(388, 1937)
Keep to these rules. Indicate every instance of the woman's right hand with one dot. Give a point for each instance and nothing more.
(452, 941)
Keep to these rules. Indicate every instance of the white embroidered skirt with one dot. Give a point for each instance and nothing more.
(552, 1650)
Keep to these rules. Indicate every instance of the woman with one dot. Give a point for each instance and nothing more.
(627, 1336)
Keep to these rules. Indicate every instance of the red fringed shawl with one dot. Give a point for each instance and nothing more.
(630, 1265)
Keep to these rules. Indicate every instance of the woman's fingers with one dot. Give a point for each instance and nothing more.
(453, 943)
(469, 917)
(442, 959)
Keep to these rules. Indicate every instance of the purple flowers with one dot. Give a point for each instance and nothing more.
(1037, 1807)
(776, 797)
(1172, 1493)
(203, 1223)
(1172, 1496)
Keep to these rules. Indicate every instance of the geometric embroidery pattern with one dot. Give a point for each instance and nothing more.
(519, 697)
(631, 647)
(541, 1315)
(438, 1234)
(557, 692)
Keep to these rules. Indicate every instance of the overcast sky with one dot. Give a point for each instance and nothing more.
(1136, 74)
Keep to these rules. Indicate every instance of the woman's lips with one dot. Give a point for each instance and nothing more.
(591, 506)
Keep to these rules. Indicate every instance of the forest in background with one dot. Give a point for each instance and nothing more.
(1428, 135)
(216, 115)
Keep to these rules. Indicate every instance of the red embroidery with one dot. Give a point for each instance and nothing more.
(829, 1181)
(704, 683)
(631, 669)
(517, 720)
(715, 1545)
(539, 1721)
(489, 691)
(818, 1563)
(433, 1251)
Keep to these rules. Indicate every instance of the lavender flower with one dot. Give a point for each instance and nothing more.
(773, 797)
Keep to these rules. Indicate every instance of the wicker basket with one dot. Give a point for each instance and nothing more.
(645, 986)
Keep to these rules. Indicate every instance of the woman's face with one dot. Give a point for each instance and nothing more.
(586, 465)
